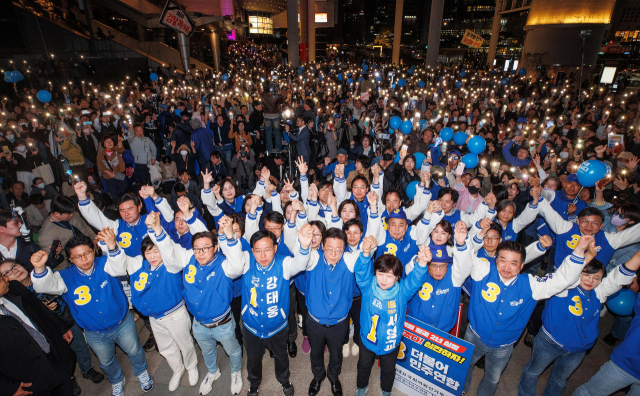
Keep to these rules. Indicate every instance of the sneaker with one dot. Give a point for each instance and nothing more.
(145, 381)
(118, 389)
(386, 393)
(355, 349)
(193, 376)
(299, 321)
(150, 345)
(287, 389)
(610, 340)
(93, 375)
(361, 391)
(236, 382)
(207, 382)
(76, 388)
(175, 380)
(306, 346)
(528, 340)
(253, 391)
(345, 350)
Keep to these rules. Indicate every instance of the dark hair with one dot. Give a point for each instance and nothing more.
(590, 211)
(446, 227)
(505, 203)
(631, 211)
(33, 182)
(146, 244)
(239, 220)
(364, 160)
(205, 234)
(216, 154)
(448, 190)
(263, 234)
(179, 188)
(352, 202)
(75, 241)
(361, 178)
(324, 183)
(236, 189)
(512, 246)
(500, 192)
(17, 182)
(182, 172)
(5, 217)
(391, 191)
(128, 197)
(335, 233)
(274, 217)
(351, 222)
(36, 199)
(321, 226)
(593, 267)
(388, 263)
(107, 137)
(558, 184)
(497, 227)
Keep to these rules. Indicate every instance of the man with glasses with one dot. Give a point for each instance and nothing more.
(448, 198)
(207, 280)
(359, 191)
(91, 289)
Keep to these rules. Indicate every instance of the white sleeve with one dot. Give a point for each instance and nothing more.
(118, 263)
(209, 200)
(252, 224)
(481, 268)
(291, 266)
(552, 284)
(165, 209)
(276, 203)
(340, 189)
(481, 212)
(332, 221)
(95, 217)
(527, 217)
(374, 223)
(553, 218)
(420, 204)
(533, 251)
(233, 266)
(304, 188)
(195, 224)
(48, 282)
(259, 190)
(615, 280)
(623, 238)
(427, 224)
(377, 187)
(311, 212)
(174, 256)
(463, 262)
(290, 235)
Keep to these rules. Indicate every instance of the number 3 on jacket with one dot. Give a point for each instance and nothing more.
(83, 295)
(190, 276)
(125, 240)
(491, 294)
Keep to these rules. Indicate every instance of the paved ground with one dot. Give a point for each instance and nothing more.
(301, 373)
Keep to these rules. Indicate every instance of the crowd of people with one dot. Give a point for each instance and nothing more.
(235, 208)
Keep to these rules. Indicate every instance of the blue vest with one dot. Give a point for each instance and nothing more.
(207, 289)
(97, 301)
(573, 321)
(404, 250)
(499, 313)
(265, 298)
(627, 354)
(165, 295)
(439, 253)
(454, 218)
(329, 291)
(130, 237)
(363, 207)
(565, 243)
(436, 303)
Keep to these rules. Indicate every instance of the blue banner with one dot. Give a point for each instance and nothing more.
(431, 362)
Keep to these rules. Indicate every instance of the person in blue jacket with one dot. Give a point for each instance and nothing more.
(522, 157)
(623, 368)
(571, 325)
(342, 159)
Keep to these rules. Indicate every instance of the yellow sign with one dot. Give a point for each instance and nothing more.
(471, 39)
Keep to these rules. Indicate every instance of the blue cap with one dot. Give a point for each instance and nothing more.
(455, 152)
(572, 178)
(342, 151)
(397, 214)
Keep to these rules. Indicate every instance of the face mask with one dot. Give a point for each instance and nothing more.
(92, 182)
(620, 165)
(21, 149)
(565, 131)
(564, 155)
(560, 124)
(184, 152)
(41, 185)
(473, 190)
(11, 138)
(618, 221)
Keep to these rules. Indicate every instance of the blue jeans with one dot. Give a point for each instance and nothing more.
(620, 326)
(496, 360)
(226, 335)
(126, 336)
(545, 352)
(609, 379)
(272, 129)
(81, 349)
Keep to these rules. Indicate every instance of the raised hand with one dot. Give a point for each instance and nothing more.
(225, 226)
(571, 209)
(185, 206)
(152, 220)
(583, 244)
(305, 235)
(108, 237)
(269, 188)
(216, 191)
(633, 163)
(460, 233)
(256, 202)
(425, 179)
(313, 192)
(81, 190)
(339, 170)
(143, 192)
(591, 253)
(265, 174)
(434, 207)
(535, 193)
(207, 178)
(288, 185)
(372, 197)
(39, 261)
(485, 224)
(424, 255)
(332, 201)
(297, 206)
(491, 200)
(302, 166)
(546, 241)
(368, 244)
(327, 161)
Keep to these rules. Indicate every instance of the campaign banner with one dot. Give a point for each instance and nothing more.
(471, 39)
(615, 139)
(175, 18)
(430, 361)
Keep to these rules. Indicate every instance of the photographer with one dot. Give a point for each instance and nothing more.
(243, 162)
(346, 130)
(302, 136)
(241, 137)
(271, 105)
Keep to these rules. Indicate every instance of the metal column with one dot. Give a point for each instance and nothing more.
(435, 24)
(215, 49)
(293, 37)
(304, 31)
(495, 33)
(312, 30)
(183, 46)
(397, 32)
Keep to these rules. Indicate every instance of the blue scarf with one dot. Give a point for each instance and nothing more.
(388, 294)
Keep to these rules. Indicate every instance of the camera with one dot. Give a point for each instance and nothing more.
(243, 152)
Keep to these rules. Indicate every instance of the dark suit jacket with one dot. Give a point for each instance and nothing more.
(22, 358)
(23, 255)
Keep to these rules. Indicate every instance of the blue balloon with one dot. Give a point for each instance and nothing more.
(7, 73)
(331, 66)
(177, 112)
(360, 79)
(422, 123)
(21, 77)
(410, 72)
(44, 96)
(406, 126)
(420, 158)
(301, 68)
(622, 302)
(350, 81)
(440, 78)
(590, 172)
(395, 122)
(411, 189)
(14, 79)
(340, 77)
(319, 78)
(225, 77)
(504, 82)
(401, 82)
(458, 84)
(15, 73)
(522, 71)
(397, 159)
(378, 79)
(349, 74)
(299, 71)
(421, 84)
(463, 73)
(493, 71)
(513, 72)
(470, 160)
(7, 79)
(460, 138)
(365, 67)
(477, 144)
(153, 76)
(446, 134)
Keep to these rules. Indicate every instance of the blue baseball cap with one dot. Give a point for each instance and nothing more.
(455, 152)
(397, 214)
(572, 178)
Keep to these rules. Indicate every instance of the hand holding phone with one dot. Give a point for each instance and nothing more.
(460, 169)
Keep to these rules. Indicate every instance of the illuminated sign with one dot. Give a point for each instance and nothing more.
(321, 17)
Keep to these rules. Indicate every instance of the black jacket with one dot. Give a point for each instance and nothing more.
(23, 255)
(22, 358)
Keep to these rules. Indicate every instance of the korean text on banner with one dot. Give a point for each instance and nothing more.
(175, 18)
(471, 39)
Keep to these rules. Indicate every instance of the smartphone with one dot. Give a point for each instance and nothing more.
(460, 169)
(482, 122)
(501, 135)
(504, 108)
(604, 182)
(403, 150)
(33, 149)
(54, 246)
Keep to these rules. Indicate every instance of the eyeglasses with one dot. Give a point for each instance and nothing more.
(179, 220)
(85, 255)
(334, 252)
(359, 187)
(274, 228)
(262, 251)
(203, 250)
(454, 157)
(439, 267)
(491, 238)
(11, 270)
(592, 277)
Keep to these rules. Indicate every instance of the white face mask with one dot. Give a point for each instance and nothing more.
(21, 149)
(564, 155)
(41, 185)
(184, 152)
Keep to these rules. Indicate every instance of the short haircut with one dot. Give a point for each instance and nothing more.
(497, 227)
(239, 220)
(389, 192)
(512, 246)
(146, 244)
(36, 199)
(364, 160)
(593, 267)
(182, 172)
(388, 263)
(5, 217)
(128, 197)
(590, 211)
(17, 182)
(500, 192)
(274, 217)
(335, 233)
(216, 154)
(205, 234)
(448, 190)
(263, 234)
(63, 205)
(505, 203)
(361, 178)
(349, 223)
(179, 188)
(349, 202)
(75, 241)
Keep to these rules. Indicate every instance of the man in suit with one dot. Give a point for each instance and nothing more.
(301, 138)
(35, 345)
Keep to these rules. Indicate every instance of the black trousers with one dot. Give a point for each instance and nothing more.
(293, 318)
(354, 314)
(255, 351)
(535, 321)
(302, 308)
(236, 306)
(366, 360)
(66, 388)
(333, 338)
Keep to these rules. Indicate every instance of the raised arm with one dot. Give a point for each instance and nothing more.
(374, 225)
(537, 249)
(252, 222)
(340, 184)
(304, 180)
(553, 218)
(530, 212)
(193, 222)
(432, 216)
(621, 276)
(173, 255)
(415, 278)
(624, 238)
(90, 211)
(233, 266)
(291, 266)
(43, 278)
(363, 267)
(207, 195)
(118, 263)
